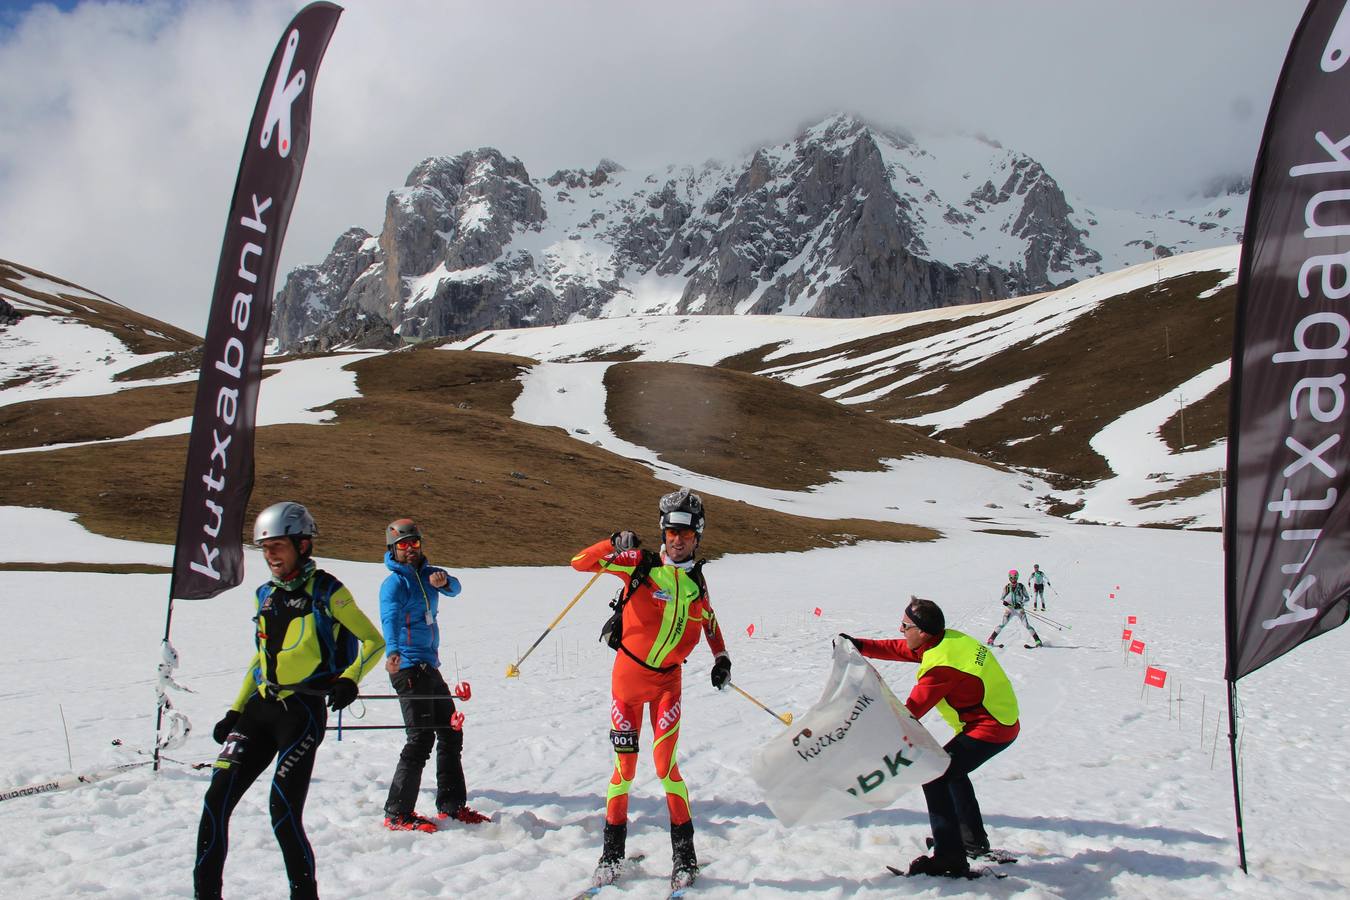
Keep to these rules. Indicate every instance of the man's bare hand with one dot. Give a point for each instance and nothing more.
(439, 579)
(392, 662)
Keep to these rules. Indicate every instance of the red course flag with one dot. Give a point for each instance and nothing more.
(1126, 634)
(750, 630)
(1137, 647)
(1131, 620)
(817, 610)
(1155, 676)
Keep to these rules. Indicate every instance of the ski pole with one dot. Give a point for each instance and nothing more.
(1042, 618)
(410, 697)
(785, 718)
(513, 670)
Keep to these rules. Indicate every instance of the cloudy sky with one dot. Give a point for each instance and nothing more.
(124, 121)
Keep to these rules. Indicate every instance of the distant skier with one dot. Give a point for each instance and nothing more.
(1038, 583)
(279, 712)
(969, 688)
(663, 611)
(1015, 601)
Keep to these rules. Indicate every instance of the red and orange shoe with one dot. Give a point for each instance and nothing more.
(410, 822)
(466, 815)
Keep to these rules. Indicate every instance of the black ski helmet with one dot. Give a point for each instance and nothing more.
(400, 530)
(682, 509)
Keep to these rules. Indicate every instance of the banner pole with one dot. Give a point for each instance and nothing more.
(159, 703)
(1237, 800)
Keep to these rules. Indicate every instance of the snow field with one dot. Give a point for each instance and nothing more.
(1103, 794)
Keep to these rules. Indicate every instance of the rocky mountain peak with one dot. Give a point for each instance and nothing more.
(846, 218)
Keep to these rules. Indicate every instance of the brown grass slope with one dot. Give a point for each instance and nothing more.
(1104, 364)
(751, 429)
(430, 437)
(141, 333)
(1126, 352)
(432, 434)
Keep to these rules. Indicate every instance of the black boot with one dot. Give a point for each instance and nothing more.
(685, 869)
(952, 866)
(610, 866)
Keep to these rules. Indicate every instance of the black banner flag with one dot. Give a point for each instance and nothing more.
(208, 556)
(1288, 514)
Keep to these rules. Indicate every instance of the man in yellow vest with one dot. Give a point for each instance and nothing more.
(960, 676)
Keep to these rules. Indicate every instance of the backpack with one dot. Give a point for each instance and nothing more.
(339, 651)
(611, 634)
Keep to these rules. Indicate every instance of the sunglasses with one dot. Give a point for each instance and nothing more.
(904, 627)
(680, 532)
(409, 544)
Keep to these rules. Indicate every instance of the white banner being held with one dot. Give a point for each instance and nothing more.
(856, 750)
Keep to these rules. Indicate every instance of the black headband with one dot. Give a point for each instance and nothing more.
(928, 618)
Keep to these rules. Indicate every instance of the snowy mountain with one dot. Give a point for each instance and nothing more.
(844, 220)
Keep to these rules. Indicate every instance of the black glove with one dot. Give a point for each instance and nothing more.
(225, 726)
(342, 693)
(847, 637)
(625, 540)
(721, 672)
(1007, 604)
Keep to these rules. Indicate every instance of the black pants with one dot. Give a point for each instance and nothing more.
(428, 722)
(953, 811)
(290, 730)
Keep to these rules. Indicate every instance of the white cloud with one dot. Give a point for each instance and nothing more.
(124, 121)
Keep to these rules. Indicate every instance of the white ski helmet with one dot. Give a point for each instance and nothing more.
(285, 519)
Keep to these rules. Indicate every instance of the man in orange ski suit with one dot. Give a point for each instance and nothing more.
(666, 608)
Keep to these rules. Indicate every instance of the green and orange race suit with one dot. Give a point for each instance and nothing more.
(662, 620)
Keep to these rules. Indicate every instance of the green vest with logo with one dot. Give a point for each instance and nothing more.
(965, 654)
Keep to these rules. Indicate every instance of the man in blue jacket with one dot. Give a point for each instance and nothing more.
(409, 599)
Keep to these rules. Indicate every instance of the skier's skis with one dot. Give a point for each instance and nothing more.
(677, 892)
(1032, 646)
(975, 872)
(66, 782)
(595, 889)
(993, 854)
